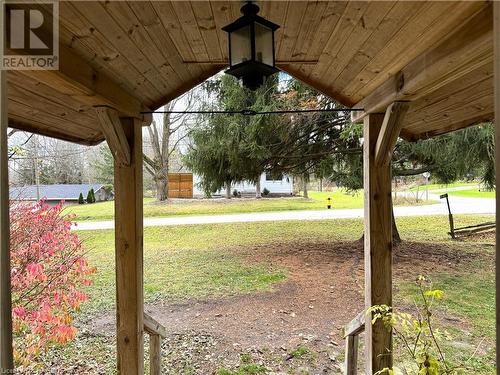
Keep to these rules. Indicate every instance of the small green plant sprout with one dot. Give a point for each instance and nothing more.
(246, 369)
(245, 357)
(299, 352)
(418, 335)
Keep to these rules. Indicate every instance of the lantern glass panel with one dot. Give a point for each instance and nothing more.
(264, 44)
(241, 47)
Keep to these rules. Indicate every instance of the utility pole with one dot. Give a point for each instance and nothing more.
(35, 167)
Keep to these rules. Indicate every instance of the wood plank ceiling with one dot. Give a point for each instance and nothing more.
(438, 55)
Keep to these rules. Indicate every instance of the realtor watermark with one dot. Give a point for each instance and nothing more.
(29, 35)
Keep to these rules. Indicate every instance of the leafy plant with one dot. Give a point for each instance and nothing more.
(418, 334)
(49, 273)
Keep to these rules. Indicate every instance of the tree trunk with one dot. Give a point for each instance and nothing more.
(258, 193)
(304, 187)
(161, 183)
(228, 190)
(320, 184)
(396, 238)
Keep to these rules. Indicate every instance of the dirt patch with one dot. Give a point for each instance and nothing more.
(323, 292)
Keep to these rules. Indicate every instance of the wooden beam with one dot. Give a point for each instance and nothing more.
(391, 128)
(129, 255)
(78, 79)
(496, 16)
(355, 326)
(378, 246)
(6, 361)
(153, 327)
(462, 52)
(114, 133)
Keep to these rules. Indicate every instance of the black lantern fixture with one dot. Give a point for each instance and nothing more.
(251, 47)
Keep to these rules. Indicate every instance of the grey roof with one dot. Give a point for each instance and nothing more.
(53, 192)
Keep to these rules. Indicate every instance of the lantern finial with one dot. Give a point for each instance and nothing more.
(249, 9)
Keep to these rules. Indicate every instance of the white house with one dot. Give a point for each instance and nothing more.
(281, 186)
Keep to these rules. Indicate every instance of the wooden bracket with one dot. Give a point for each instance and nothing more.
(358, 116)
(112, 129)
(389, 133)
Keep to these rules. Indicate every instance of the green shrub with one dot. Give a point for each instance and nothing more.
(89, 196)
(80, 199)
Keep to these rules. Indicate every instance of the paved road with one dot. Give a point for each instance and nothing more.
(459, 205)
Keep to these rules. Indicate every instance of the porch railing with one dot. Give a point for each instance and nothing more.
(351, 334)
(156, 332)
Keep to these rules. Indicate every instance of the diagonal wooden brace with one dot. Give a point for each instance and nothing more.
(389, 133)
(112, 129)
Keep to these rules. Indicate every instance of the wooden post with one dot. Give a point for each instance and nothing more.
(155, 354)
(129, 254)
(351, 354)
(496, 79)
(6, 361)
(378, 245)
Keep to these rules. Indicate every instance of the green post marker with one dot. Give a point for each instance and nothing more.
(329, 203)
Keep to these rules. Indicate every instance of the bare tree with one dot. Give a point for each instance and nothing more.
(161, 143)
(35, 160)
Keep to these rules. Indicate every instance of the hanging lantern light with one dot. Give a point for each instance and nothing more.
(251, 47)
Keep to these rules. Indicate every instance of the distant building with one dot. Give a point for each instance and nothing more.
(282, 185)
(182, 183)
(53, 194)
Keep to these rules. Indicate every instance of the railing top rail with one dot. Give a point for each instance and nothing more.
(153, 327)
(355, 326)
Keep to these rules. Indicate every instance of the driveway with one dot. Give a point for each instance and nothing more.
(459, 205)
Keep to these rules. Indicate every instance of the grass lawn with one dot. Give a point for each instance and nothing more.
(152, 208)
(317, 201)
(187, 263)
(192, 261)
(470, 193)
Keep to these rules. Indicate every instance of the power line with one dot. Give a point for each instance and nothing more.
(251, 112)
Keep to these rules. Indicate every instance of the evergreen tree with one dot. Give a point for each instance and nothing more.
(89, 197)
(231, 148)
(80, 199)
(92, 195)
(104, 165)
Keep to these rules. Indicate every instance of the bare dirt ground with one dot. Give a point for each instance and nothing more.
(295, 327)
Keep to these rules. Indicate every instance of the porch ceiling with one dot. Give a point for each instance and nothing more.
(139, 55)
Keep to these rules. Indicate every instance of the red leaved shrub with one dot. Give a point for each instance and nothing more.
(49, 273)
